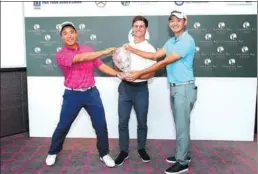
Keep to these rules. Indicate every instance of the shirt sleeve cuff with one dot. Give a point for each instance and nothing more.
(97, 62)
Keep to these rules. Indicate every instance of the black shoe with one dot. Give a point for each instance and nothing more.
(121, 158)
(143, 154)
(172, 159)
(176, 168)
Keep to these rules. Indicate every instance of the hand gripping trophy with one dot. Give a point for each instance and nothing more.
(122, 60)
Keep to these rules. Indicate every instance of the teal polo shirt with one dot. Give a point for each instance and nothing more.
(182, 69)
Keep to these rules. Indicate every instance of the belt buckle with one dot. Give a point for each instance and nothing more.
(84, 89)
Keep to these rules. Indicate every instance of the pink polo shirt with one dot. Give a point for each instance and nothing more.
(80, 75)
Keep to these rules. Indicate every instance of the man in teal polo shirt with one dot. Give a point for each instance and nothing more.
(179, 51)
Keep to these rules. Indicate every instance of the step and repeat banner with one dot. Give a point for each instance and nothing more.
(225, 64)
(226, 45)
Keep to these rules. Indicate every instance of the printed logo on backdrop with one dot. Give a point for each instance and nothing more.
(82, 27)
(48, 61)
(58, 28)
(125, 3)
(207, 61)
(220, 31)
(247, 27)
(245, 53)
(197, 52)
(197, 25)
(197, 28)
(207, 39)
(233, 36)
(222, 28)
(37, 4)
(231, 61)
(37, 53)
(91, 39)
(179, 3)
(48, 64)
(58, 49)
(131, 39)
(36, 29)
(55, 51)
(47, 40)
(101, 4)
(207, 65)
(233, 40)
(82, 31)
(221, 53)
(231, 65)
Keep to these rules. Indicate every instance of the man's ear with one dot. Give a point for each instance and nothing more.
(186, 22)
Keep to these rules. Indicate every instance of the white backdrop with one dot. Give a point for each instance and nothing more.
(225, 109)
(12, 22)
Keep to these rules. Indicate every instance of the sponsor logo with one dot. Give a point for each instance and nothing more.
(208, 36)
(231, 61)
(37, 50)
(37, 4)
(101, 4)
(125, 3)
(244, 49)
(233, 36)
(179, 3)
(207, 61)
(220, 49)
(93, 37)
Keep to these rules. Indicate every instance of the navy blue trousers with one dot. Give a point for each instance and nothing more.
(134, 95)
(73, 101)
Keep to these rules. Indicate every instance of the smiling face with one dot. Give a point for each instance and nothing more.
(69, 36)
(139, 29)
(139, 26)
(177, 25)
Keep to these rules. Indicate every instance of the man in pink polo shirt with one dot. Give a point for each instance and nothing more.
(77, 63)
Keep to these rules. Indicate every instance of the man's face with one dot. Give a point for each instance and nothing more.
(69, 36)
(177, 24)
(139, 29)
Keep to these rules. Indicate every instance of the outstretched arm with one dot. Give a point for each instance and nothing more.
(107, 70)
(169, 59)
(68, 59)
(110, 71)
(148, 55)
(78, 58)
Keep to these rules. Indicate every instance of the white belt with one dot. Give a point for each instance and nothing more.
(183, 83)
(81, 89)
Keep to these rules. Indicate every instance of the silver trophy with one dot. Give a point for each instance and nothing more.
(122, 59)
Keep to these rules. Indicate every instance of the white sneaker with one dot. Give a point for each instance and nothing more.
(50, 160)
(108, 160)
